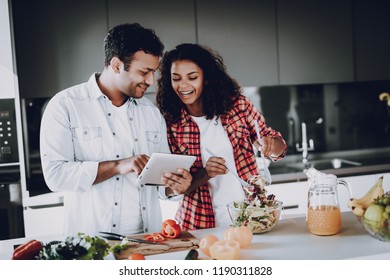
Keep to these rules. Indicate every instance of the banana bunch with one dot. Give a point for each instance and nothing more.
(360, 205)
(385, 96)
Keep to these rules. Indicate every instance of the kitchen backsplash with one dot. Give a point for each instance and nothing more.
(345, 116)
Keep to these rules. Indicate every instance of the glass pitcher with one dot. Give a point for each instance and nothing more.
(323, 209)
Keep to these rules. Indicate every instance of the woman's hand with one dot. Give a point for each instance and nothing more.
(272, 146)
(216, 166)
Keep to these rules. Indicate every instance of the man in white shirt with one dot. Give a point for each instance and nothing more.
(96, 137)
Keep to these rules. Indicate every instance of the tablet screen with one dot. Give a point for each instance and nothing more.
(159, 164)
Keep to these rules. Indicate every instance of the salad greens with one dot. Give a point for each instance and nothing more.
(80, 247)
(260, 212)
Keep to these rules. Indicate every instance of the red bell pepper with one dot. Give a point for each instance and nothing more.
(170, 228)
(155, 237)
(27, 251)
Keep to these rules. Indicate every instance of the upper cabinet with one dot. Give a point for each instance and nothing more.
(262, 42)
(315, 41)
(172, 20)
(372, 40)
(58, 43)
(244, 34)
(7, 81)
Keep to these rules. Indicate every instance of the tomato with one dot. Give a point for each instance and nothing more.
(242, 234)
(136, 256)
(155, 237)
(225, 250)
(170, 228)
(205, 243)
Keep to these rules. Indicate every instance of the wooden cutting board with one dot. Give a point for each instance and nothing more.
(186, 241)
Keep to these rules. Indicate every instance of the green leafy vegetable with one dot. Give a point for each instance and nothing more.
(80, 247)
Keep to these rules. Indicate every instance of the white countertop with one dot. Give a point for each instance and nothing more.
(289, 240)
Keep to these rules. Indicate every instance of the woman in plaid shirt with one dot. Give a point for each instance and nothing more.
(204, 108)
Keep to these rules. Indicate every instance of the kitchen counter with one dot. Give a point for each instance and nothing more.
(371, 161)
(289, 240)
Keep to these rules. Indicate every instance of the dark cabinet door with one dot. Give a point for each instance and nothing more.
(372, 40)
(315, 41)
(172, 20)
(58, 43)
(244, 33)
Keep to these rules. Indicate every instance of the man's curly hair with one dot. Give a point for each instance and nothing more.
(219, 90)
(124, 40)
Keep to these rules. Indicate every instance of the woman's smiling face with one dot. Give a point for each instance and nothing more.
(187, 81)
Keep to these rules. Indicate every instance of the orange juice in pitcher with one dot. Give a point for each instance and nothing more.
(323, 212)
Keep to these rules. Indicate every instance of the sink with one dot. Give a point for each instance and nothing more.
(333, 163)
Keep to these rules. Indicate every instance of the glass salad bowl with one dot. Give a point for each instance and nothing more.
(259, 217)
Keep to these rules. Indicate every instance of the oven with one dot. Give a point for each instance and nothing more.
(32, 110)
(11, 211)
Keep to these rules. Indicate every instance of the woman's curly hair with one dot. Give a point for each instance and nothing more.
(219, 90)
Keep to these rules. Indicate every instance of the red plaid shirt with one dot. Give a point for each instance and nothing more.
(196, 209)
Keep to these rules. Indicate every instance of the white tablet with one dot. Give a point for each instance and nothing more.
(159, 164)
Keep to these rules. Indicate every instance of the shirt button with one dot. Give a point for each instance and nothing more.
(136, 139)
(131, 119)
(109, 114)
(114, 225)
(117, 178)
(146, 229)
(116, 203)
(113, 133)
(117, 156)
(143, 208)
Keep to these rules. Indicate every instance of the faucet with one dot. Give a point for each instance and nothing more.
(305, 146)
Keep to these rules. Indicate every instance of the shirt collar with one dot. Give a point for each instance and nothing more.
(95, 91)
(184, 117)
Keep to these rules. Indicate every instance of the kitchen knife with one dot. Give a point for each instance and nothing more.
(115, 236)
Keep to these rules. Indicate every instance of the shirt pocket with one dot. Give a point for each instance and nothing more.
(88, 143)
(153, 140)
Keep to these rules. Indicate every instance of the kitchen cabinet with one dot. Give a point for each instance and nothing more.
(315, 41)
(172, 20)
(244, 34)
(293, 195)
(372, 56)
(7, 84)
(43, 220)
(58, 43)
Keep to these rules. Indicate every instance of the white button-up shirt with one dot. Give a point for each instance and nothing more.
(78, 131)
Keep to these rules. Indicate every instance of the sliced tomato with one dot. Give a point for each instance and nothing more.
(170, 228)
(136, 256)
(155, 237)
